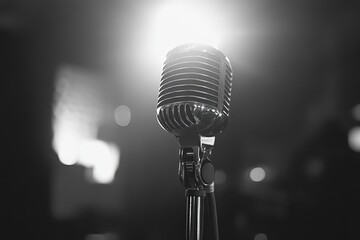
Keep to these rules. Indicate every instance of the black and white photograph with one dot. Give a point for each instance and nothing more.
(180, 119)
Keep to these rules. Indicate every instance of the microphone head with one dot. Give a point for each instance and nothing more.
(195, 91)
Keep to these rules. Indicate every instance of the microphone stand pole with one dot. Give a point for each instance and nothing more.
(196, 173)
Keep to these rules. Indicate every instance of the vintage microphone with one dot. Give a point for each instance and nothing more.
(193, 104)
(195, 91)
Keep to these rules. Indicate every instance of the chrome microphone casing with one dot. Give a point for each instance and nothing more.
(195, 91)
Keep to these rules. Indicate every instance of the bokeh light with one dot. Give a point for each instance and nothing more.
(257, 174)
(354, 139)
(122, 115)
(66, 143)
(260, 236)
(78, 114)
(102, 158)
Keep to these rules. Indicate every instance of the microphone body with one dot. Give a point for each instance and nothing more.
(195, 91)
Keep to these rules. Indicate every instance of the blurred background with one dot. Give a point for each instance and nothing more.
(85, 159)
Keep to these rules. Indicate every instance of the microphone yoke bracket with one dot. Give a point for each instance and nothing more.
(196, 171)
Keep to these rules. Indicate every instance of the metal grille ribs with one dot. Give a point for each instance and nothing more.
(199, 76)
(177, 116)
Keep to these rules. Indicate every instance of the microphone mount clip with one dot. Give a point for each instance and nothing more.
(196, 171)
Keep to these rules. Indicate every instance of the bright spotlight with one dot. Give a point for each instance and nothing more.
(180, 22)
(257, 174)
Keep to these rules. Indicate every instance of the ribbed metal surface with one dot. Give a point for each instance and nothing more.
(195, 90)
(190, 76)
(176, 116)
(227, 89)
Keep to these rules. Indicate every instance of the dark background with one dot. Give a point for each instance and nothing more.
(291, 111)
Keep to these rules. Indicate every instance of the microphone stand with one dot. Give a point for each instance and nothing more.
(197, 174)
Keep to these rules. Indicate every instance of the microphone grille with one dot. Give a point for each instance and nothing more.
(195, 73)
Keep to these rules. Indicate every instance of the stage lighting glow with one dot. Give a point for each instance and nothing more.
(122, 115)
(260, 236)
(78, 112)
(102, 158)
(179, 22)
(354, 139)
(257, 174)
(66, 142)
